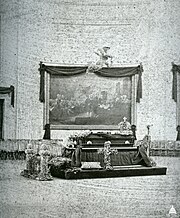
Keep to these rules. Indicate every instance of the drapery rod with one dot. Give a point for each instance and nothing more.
(86, 65)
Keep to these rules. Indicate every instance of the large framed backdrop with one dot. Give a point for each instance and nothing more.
(75, 99)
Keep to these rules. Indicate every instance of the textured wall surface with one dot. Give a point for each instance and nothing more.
(68, 32)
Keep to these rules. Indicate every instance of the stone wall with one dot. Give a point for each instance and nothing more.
(69, 32)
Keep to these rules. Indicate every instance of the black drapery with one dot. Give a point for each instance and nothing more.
(178, 133)
(105, 72)
(57, 70)
(175, 70)
(47, 133)
(8, 90)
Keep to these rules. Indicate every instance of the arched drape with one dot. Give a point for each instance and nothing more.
(105, 72)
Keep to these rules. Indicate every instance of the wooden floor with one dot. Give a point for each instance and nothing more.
(131, 197)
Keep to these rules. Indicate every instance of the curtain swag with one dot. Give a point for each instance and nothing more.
(8, 90)
(104, 72)
(175, 70)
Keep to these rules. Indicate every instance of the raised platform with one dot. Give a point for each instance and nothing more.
(118, 171)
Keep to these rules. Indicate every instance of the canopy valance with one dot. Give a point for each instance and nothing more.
(8, 90)
(104, 72)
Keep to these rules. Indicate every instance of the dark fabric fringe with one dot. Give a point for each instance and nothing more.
(12, 155)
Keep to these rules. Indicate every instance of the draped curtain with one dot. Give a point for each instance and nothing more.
(104, 72)
(175, 70)
(8, 90)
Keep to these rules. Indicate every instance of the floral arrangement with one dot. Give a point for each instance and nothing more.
(45, 152)
(29, 150)
(61, 162)
(107, 151)
(110, 151)
(82, 134)
(73, 139)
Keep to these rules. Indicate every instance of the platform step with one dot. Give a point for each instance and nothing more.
(116, 172)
